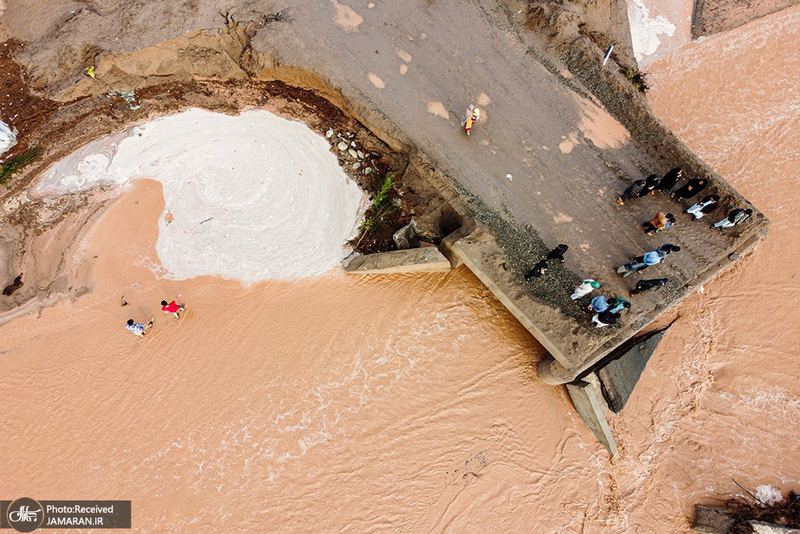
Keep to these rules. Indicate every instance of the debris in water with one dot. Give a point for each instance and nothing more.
(13, 286)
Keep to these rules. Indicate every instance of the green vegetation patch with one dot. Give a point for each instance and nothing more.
(381, 207)
(14, 165)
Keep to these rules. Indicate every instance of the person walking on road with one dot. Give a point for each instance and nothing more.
(473, 114)
(605, 318)
(654, 284)
(660, 222)
(633, 191)
(639, 263)
(173, 308)
(557, 253)
(618, 304)
(138, 328)
(650, 185)
(598, 304)
(584, 288)
(538, 270)
(670, 180)
(704, 207)
(735, 217)
(666, 249)
(654, 257)
(691, 188)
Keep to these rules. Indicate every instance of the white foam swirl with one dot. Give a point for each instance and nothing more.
(8, 136)
(252, 197)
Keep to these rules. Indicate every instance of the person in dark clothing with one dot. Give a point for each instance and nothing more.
(691, 188)
(538, 270)
(650, 185)
(646, 285)
(633, 191)
(670, 180)
(666, 249)
(557, 253)
(605, 318)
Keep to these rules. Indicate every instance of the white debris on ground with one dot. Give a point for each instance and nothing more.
(252, 197)
(644, 30)
(8, 138)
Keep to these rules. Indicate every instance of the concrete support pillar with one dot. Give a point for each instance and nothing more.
(588, 401)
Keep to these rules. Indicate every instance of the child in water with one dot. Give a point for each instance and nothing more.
(138, 329)
(173, 308)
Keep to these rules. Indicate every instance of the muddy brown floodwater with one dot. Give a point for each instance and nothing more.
(409, 403)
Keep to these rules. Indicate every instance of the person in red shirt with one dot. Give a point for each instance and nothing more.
(173, 308)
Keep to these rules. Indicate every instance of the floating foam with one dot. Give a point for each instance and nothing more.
(769, 495)
(645, 31)
(252, 197)
(8, 137)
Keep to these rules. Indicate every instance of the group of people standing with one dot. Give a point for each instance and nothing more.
(666, 184)
(608, 310)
